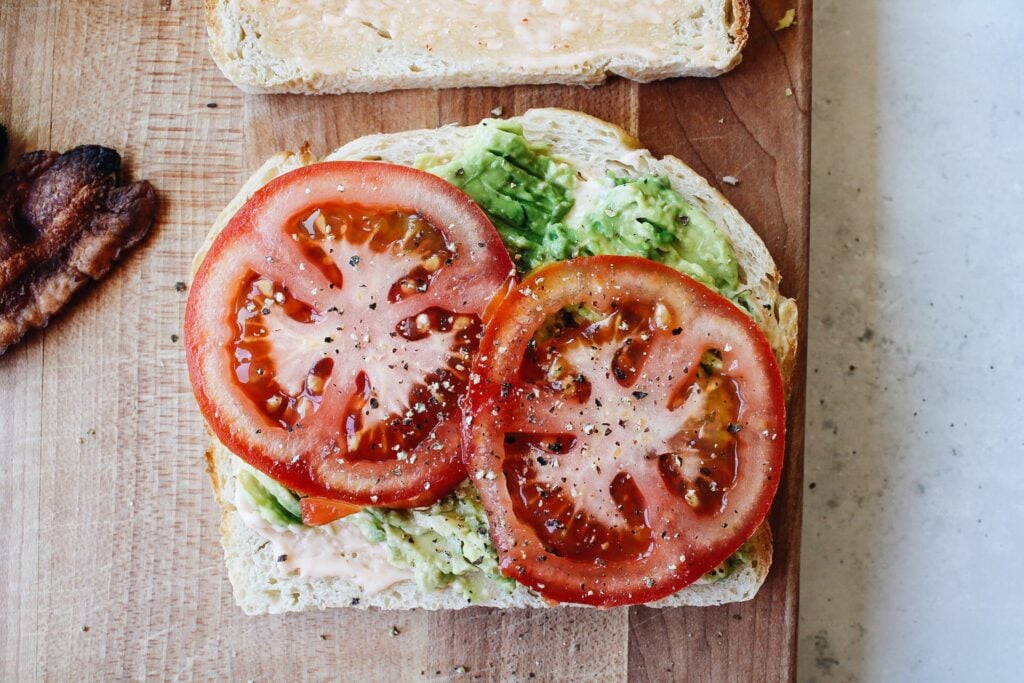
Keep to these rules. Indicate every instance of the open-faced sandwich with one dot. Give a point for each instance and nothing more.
(522, 363)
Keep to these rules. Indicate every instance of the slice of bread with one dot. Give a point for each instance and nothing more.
(593, 147)
(338, 46)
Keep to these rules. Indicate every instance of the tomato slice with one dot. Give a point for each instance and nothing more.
(318, 511)
(331, 327)
(624, 449)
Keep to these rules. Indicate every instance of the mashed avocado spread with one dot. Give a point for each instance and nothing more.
(444, 544)
(646, 217)
(528, 195)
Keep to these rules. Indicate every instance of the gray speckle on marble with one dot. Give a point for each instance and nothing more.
(913, 545)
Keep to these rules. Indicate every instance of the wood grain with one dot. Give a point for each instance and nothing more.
(113, 566)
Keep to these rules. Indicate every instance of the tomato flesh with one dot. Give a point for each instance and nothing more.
(320, 511)
(331, 328)
(626, 448)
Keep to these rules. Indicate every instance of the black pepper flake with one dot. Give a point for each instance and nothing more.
(211, 105)
(354, 261)
(180, 286)
(733, 428)
(282, 558)
(460, 172)
(373, 307)
(328, 340)
(639, 394)
(324, 636)
(174, 337)
(597, 402)
(395, 631)
(355, 601)
(676, 332)
(542, 461)
(374, 403)
(506, 389)
(85, 629)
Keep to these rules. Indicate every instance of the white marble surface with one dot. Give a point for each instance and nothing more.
(913, 545)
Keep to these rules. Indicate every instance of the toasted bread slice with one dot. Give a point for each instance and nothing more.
(340, 46)
(263, 585)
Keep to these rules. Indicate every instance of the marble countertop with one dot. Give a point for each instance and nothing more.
(913, 543)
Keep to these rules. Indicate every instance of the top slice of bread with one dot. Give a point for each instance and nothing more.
(339, 46)
(592, 147)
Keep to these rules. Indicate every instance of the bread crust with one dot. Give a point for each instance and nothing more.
(214, 31)
(253, 68)
(258, 589)
(738, 28)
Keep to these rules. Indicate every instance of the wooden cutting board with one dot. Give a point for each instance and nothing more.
(112, 565)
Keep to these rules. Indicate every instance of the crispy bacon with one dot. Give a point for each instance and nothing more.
(64, 221)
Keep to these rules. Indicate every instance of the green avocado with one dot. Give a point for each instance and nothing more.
(731, 565)
(444, 544)
(276, 504)
(521, 188)
(646, 217)
(528, 194)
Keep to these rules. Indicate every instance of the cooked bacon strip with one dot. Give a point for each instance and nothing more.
(64, 220)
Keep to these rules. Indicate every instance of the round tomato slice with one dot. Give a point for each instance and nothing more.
(331, 327)
(625, 430)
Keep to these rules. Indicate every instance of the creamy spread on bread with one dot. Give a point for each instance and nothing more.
(331, 551)
(336, 46)
(523, 32)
